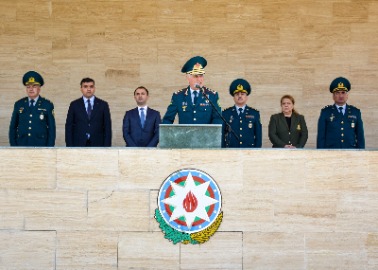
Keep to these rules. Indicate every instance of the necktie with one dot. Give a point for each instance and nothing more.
(142, 116)
(31, 103)
(89, 108)
(195, 97)
(341, 110)
(240, 111)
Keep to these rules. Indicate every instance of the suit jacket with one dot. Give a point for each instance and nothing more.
(280, 134)
(336, 130)
(188, 113)
(136, 136)
(32, 126)
(78, 125)
(247, 127)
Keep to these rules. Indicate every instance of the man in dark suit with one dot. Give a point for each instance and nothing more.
(189, 103)
(340, 125)
(141, 124)
(88, 120)
(243, 120)
(32, 122)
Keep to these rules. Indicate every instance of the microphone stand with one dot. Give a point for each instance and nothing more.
(228, 129)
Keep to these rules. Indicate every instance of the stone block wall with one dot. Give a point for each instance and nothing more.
(65, 208)
(281, 47)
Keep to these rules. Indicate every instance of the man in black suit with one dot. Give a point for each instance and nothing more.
(88, 120)
(141, 124)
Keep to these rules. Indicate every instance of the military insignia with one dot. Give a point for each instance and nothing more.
(352, 116)
(352, 125)
(184, 108)
(298, 127)
(189, 207)
(41, 116)
(21, 110)
(198, 66)
(250, 125)
(31, 80)
(250, 116)
(231, 118)
(332, 117)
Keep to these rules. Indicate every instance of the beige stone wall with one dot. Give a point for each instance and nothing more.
(287, 46)
(93, 209)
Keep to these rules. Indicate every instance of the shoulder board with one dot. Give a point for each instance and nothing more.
(229, 108)
(208, 89)
(45, 99)
(354, 107)
(179, 91)
(328, 106)
(249, 107)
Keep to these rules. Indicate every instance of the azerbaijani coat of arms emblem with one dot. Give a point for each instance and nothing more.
(189, 207)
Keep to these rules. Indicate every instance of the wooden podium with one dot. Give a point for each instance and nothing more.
(190, 136)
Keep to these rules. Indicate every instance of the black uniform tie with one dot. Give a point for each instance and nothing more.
(240, 111)
(195, 97)
(341, 110)
(31, 103)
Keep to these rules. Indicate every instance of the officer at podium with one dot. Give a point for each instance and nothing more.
(244, 120)
(340, 125)
(194, 104)
(32, 122)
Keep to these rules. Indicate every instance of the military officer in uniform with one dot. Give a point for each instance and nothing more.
(340, 125)
(32, 122)
(190, 103)
(243, 120)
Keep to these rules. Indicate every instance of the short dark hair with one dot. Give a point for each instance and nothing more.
(85, 80)
(141, 87)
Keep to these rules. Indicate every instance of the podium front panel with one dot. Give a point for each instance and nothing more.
(190, 136)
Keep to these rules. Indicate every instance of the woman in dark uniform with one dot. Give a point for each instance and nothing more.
(288, 129)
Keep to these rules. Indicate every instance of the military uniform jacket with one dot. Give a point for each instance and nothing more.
(280, 134)
(336, 130)
(32, 126)
(200, 113)
(247, 127)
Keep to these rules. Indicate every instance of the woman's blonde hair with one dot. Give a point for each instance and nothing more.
(291, 99)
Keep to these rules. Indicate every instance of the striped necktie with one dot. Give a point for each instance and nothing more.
(142, 117)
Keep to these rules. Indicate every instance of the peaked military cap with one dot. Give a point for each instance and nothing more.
(240, 85)
(32, 77)
(195, 66)
(339, 84)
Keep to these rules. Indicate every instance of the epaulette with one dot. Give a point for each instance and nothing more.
(252, 108)
(208, 89)
(228, 108)
(179, 91)
(327, 106)
(47, 100)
